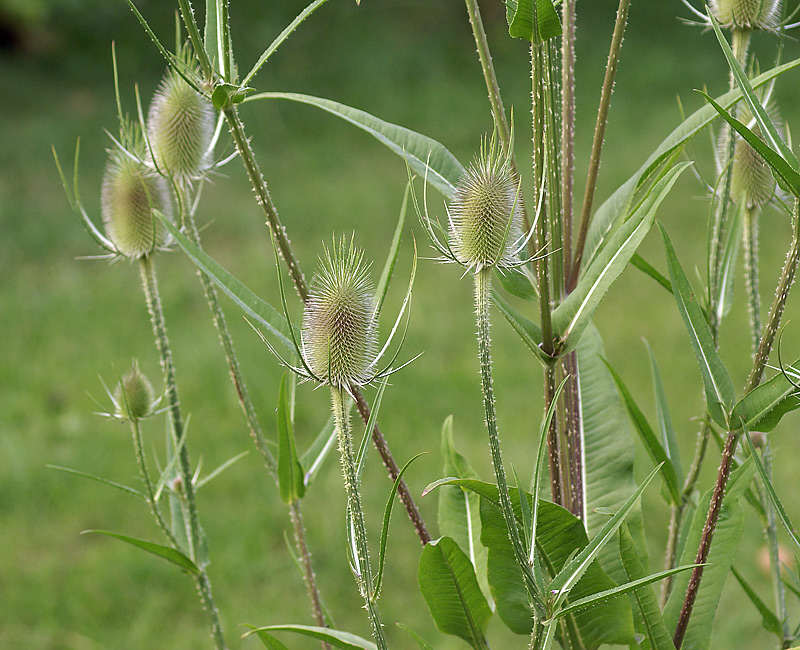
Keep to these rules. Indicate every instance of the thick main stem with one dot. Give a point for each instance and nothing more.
(567, 126)
(356, 514)
(279, 232)
(759, 364)
(150, 285)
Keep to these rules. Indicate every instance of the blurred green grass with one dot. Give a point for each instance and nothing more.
(64, 322)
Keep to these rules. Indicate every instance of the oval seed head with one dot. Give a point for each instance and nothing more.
(134, 396)
(339, 328)
(747, 14)
(484, 215)
(130, 193)
(751, 178)
(180, 127)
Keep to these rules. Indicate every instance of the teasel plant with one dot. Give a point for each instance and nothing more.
(337, 348)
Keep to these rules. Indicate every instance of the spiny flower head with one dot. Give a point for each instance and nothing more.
(339, 323)
(133, 397)
(484, 215)
(131, 192)
(180, 127)
(747, 14)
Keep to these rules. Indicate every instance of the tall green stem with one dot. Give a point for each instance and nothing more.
(750, 243)
(567, 126)
(278, 231)
(188, 501)
(356, 514)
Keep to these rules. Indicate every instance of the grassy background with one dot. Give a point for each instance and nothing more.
(63, 322)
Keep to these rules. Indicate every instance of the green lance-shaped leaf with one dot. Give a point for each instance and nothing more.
(421, 643)
(529, 332)
(573, 315)
(650, 619)
(560, 535)
(533, 20)
(518, 282)
(637, 261)
(315, 455)
(617, 205)
(727, 536)
(730, 251)
(258, 309)
(784, 172)
(653, 446)
(668, 438)
(165, 552)
(771, 493)
(459, 509)
(291, 477)
(769, 620)
(337, 638)
(391, 258)
(99, 479)
(762, 408)
(609, 452)
(751, 99)
(427, 157)
(716, 380)
(448, 584)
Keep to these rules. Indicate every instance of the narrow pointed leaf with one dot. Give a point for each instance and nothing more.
(618, 203)
(756, 109)
(763, 407)
(572, 316)
(448, 584)
(769, 620)
(361, 455)
(716, 380)
(785, 173)
(291, 477)
(652, 622)
(668, 438)
(388, 267)
(100, 479)
(426, 157)
(654, 448)
(165, 552)
(645, 267)
(730, 251)
(387, 515)
(518, 282)
(338, 639)
(258, 309)
(421, 643)
(310, 9)
(210, 477)
(318, 451)
(529, 332)
(727, 536)
(771, 493)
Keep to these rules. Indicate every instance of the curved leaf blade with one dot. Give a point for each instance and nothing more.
(763, 407)
(337, 638)
(164, 552)
(291, 477)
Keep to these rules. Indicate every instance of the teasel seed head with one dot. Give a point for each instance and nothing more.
(747, 14)
(131, 192)
(339, 327)
(180, 127)
(134, 397)
(751, 178)
(484, 215)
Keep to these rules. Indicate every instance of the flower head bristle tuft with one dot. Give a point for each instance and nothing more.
(180, 128)
(131, 192)
(134, 398)
(339, 326)
(747, 14)
(484, 215)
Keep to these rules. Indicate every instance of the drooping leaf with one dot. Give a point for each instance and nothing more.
(258, 309)
(668, 438)
(459, 509)
(769, 620)
(165, 552)
(763, 407)
(652, 622)
(426, 157)
(291, 477)
(447, 582)
(727, 536)
(269, 641)
(637, 261)
(337, 638)
(716, 380)
(100, 479)
(529, 332)
(619, 202)
(653, 446)
(573, 315)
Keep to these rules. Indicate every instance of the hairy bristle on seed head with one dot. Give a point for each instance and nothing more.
(339, 329)
(747, 14)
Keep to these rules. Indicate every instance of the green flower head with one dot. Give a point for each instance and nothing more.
(747, 14)
(133, 396)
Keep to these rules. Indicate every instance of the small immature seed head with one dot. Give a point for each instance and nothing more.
(134, 396)
(747, 14)
(180, 127)
(484, 215)
(751, 178)
(131, 192)
(339, 328)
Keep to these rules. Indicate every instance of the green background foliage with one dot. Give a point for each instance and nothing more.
(63, 321)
